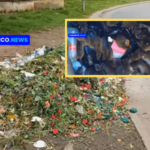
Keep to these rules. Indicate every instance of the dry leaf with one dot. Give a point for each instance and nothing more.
(11, 116)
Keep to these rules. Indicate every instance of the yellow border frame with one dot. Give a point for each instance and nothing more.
(137, 76)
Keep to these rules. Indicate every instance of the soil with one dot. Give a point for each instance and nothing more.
(49, 37)
(118, 137)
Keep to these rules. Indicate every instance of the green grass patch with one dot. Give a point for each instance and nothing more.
(20, 22)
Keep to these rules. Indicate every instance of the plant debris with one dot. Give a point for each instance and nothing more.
(50, 103)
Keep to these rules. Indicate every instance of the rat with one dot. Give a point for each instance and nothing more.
(142, 33)
(109, 70)
(138, 54)
(144, 44)
(142, 66)
(81, 43)
(133, 25)
(83, 26)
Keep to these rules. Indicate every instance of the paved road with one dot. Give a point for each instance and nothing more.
(139, 10)
(139, 91)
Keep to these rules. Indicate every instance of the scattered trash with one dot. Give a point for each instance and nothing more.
(133, 110)
(125, 119)
(74, 134)
(11, 133)
(35, 118)
(40, 144)
(62, 58)
(97, 129)
(79, 109)
(28, 74)
(8, 145)
(2, 133)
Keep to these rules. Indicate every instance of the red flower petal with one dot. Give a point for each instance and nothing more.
(99, 115)
(87, 86)
(53, 116)
(73, 98)
(84, 95)
(55, 131)
(85, 121)
(102, 83)
(101, 79)
(44, 84)
(59, 111)
(45, 72)
(82, 87)
(111, 119)
(52, 96)
(93, 129)
(53, 123)
(55, 86)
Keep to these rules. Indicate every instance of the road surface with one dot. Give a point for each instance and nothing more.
(131, 11)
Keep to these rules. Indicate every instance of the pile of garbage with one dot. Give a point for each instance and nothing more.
(109, 48)
(37, 100)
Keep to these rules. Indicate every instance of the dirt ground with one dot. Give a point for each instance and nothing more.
(50, 37)
(117, 137)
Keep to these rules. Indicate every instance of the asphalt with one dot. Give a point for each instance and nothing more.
(138, 89)
(130, 11)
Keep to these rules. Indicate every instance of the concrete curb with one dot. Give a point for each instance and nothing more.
(99, 14)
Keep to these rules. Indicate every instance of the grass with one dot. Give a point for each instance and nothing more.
(20, 22)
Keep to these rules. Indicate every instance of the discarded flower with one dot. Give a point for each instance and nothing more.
(102, 83)
(84, 95)
(99, 115)
(55, 131)
(58, 95)
(52, 96)
(81, 87)
(93, 129)
(52, 123)
(122, 102)
(53, 116)
(91, 111)
(55, 86)
(73, 98)
(111, 119)
(44, 84)
(73, 126)
(101, 79)
(87, 86)
(59, 111)
(85, 121)
(2, 110)
(47, 104)
(45, 72)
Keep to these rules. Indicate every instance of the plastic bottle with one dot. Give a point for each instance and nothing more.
(72, 44)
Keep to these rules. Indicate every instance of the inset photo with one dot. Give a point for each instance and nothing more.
(107, 47)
